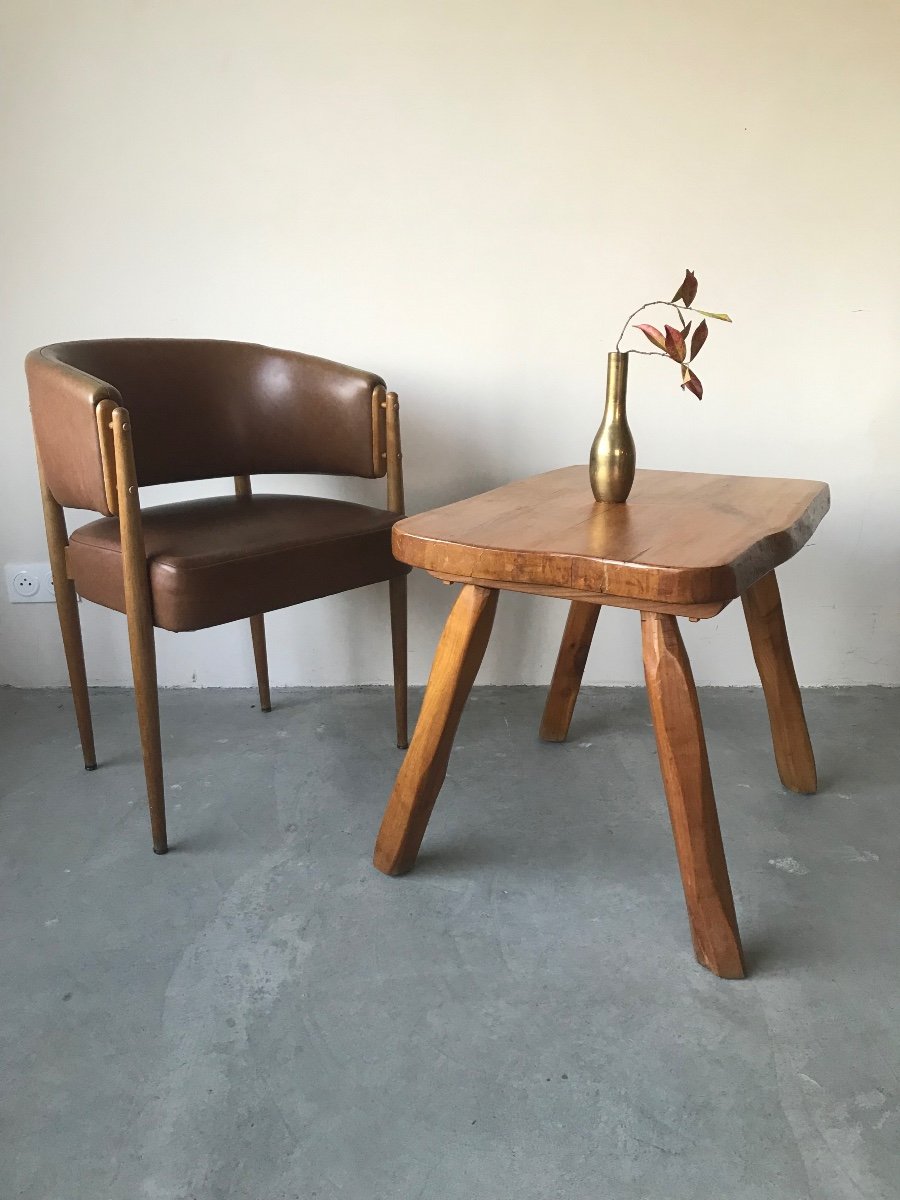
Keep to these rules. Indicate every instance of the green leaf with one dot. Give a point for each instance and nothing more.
(714, 316)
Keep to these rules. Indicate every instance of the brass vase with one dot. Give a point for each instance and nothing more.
(613, 456)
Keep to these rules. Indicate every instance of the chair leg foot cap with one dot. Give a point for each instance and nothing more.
(92, 767)
(161, 850)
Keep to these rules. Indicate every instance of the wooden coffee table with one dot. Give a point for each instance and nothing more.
(683, 545)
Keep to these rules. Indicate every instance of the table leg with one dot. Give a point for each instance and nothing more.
(689, 792)
(453, 672)
(768, 637)
(573, 652)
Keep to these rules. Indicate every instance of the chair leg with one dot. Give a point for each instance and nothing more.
(69, 622)
(570, 663)
(70, 626)
(419, 780)
(398, 641)
(146, 695)
(689, 792)
(772, 652)
(258, 634)
(139, 611)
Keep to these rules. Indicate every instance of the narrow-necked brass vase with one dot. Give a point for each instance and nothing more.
(613, 456)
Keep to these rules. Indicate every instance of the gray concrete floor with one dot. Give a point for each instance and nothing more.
(261, 1015)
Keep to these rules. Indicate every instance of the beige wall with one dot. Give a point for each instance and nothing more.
(469, 198)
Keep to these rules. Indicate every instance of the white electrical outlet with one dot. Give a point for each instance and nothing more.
(30, 583)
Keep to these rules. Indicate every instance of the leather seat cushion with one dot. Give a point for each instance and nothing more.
(223, 559)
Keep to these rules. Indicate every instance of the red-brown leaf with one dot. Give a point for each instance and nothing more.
(651, 332)
(687, 293)
(692, 383)
(701, 333)
(675, 347)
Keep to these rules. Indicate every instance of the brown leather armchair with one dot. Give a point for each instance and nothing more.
(112, 416)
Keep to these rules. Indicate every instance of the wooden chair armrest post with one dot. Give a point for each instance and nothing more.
(104, 412)
(128, 508)
(395, 498)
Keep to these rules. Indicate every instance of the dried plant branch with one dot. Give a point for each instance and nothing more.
(673, 343)
(679, 308)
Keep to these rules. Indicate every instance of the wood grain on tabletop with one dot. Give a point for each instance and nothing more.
(681, 538)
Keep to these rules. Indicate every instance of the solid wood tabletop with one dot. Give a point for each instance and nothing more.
(683, 541)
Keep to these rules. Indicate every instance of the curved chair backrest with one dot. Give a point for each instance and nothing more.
(201, 410)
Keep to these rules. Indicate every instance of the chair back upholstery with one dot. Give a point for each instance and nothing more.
(201, 410)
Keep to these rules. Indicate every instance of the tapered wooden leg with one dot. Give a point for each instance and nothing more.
(570, 662)
(258, 634)
(689, 792)
(768, 637)
(146, 694)
(453, 672)
(138, 609)
(398, 642)
(69, 623)
(243, 487)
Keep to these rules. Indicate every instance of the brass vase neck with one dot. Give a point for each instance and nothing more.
(616, 378)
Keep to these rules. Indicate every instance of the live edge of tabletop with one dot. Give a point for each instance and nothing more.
(683, 543)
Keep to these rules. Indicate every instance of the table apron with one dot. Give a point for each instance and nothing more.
(696, 612)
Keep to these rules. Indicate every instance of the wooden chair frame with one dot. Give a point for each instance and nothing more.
(123, 500)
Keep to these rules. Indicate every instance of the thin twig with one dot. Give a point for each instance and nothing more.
(679, 308)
